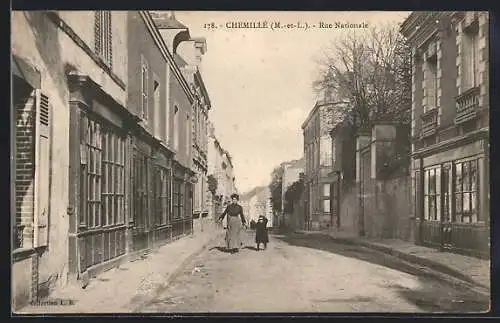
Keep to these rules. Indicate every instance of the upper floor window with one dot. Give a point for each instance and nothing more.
(144, 89)
(326, 152)
(156, 107)
(103, 31)
(470, 56)
(188, 136)
(176, 127)
(431, 84)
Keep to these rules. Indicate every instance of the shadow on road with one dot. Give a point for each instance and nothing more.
(222, 249)
(433, 295)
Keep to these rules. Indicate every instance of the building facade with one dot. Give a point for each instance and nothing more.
(318, 164)
(98, 97)
(257, 202)
(66, 66)
(188, 57)
(450, 129)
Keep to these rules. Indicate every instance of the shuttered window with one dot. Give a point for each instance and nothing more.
(103, 33)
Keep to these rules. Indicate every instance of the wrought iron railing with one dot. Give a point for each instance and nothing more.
(429, 123)
(467, 105)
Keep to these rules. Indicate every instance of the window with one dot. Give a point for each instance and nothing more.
(326, 206)
(102, 31)
(140, 194)
(326, 190)
(113, 179)
(431, 86)
(162, 196)
(326, 152)
(432, 189)
(32, 143)
(144, 89)
(156, 106)
(466, 191)
(470, 57)
(176, 128)
(90, 212)
(188, 135)
(177, 199)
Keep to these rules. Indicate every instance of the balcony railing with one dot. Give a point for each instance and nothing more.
(429, 123)
(467, 105)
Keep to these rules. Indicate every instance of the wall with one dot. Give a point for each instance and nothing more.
(44, 45)
(141, 43)
(179, 98)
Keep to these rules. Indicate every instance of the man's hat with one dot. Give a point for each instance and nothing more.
(235, 196)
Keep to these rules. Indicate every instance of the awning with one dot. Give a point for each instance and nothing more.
(25, 71)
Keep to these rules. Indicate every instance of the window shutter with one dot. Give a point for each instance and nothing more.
(109, 34)
(42, 169)
(98, 31)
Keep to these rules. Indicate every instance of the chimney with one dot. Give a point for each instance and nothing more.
(172, 31)
(192, 51)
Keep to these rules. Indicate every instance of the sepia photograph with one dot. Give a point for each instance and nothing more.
(172, 162)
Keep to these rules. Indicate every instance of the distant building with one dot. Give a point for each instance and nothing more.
(257, 202)
(318, 163)
(220, 167)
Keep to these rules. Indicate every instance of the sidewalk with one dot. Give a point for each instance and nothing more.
(469, 269)
(123, 289)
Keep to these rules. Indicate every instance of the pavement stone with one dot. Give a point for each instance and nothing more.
(469, 269)
(126, 286)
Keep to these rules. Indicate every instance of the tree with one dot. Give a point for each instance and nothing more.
(212, 184)
(371, 71)
(276, 188)
(293, 194)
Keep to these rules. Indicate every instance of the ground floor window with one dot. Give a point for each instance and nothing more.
(140, 188)
(162, 196)
(178, 199)
(432, 194)
(102, 175)
(451, 189)
(466, 191)
(326, 206)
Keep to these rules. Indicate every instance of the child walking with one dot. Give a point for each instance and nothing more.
(261, 235)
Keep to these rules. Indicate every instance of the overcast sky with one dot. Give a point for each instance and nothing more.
(259, 82)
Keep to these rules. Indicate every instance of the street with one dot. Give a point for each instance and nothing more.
(307, 274)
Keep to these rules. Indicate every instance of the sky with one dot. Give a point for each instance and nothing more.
(260, 81)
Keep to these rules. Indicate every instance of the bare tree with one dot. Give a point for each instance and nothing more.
(371, 71)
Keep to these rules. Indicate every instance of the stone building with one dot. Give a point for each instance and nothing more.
(66, 64)
(97, 96)
(188, 52)
(450, 129)
(221, 168)
(318, 163)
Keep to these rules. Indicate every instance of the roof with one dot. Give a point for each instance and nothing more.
(165, 21)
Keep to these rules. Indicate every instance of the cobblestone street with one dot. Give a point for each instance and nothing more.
(308, 274)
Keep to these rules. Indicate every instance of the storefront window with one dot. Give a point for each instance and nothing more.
(466, 191)
(432, 188)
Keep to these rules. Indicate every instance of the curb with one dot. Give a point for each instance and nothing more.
(416, 260)
(174, 273)
(441, 268)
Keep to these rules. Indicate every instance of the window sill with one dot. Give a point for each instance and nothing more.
(20, 254)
